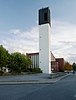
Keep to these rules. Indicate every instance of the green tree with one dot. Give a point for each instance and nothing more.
(74, 66)
(4, 56)
(18, 62)
(26, 62)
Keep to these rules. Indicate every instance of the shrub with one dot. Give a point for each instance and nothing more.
(35, 70)
(1, 72)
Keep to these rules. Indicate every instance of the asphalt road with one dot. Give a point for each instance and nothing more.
(64, 89)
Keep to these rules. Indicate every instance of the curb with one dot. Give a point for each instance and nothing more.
(47, 81)
(60, 78)
(20, 83)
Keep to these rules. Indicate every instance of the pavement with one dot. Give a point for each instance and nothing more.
(30, 79)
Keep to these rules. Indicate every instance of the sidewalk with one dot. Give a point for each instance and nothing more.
(29, 79)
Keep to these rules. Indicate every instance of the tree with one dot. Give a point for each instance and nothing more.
(68, 66)
(4, 56)
(18, 62)
(26, 62)
(74, 66)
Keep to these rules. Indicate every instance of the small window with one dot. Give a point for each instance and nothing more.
(45, 16)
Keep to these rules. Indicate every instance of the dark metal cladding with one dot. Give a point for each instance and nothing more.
(44, 16)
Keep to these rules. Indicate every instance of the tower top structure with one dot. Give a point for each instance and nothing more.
(44, 16)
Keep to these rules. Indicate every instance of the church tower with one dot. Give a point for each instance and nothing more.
(44, 40)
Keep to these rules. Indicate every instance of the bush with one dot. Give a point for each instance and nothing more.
(1, 72)
(35, 70)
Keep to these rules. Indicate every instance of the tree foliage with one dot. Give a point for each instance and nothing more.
(4, 56)
(74, 66)
(18, 62)
(68, 66)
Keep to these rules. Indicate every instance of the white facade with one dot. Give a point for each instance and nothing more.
(35, 59)
(44, 48)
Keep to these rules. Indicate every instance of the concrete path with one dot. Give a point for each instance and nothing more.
(29, 79)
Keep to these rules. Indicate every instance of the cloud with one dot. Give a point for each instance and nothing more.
(63, 40)
(68, 42)
(71, 58)
(22, 41)
(15, 31)
(29, 35)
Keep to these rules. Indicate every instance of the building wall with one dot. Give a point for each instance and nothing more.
(54, 66)
(60, 64)
(44, 48)
(35, 59)
(52, 57)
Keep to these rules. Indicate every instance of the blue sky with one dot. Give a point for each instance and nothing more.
(19, 26)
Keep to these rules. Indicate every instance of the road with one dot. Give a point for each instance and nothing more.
(64, 89)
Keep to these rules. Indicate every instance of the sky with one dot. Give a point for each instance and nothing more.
(19, 26)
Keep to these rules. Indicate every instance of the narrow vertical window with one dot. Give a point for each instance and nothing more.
(45, 16)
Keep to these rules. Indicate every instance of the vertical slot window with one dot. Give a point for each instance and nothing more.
(45, 16)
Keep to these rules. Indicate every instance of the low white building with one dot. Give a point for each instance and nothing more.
(34, 58)
(5, 69)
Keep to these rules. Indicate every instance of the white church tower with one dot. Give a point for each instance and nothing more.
(44, 40)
